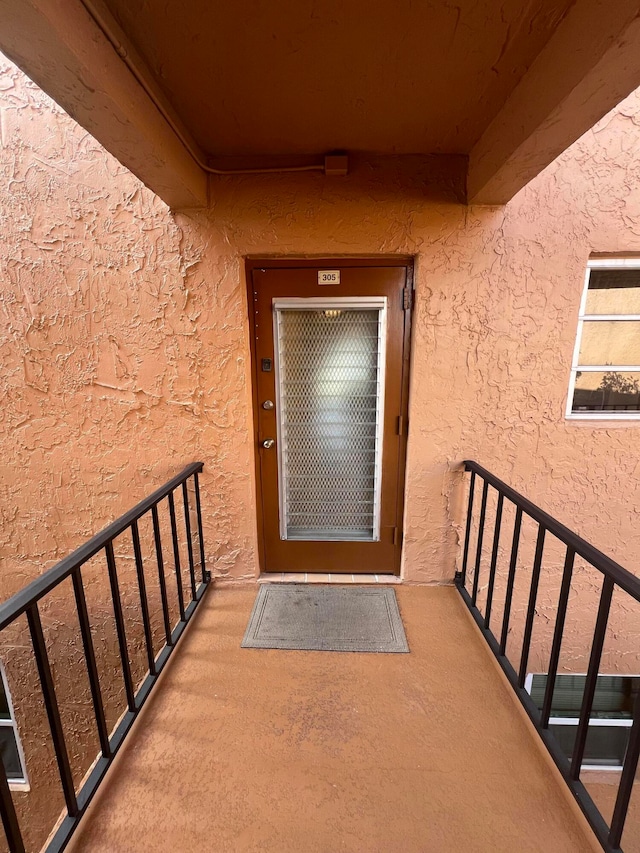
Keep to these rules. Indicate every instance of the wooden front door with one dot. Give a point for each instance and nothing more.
(330, 359)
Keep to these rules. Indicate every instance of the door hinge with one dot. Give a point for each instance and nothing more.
(407, 298)
(399, 425)
(397, 535)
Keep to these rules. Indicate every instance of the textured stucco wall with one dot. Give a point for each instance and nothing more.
(125, 342)
(115, 373)
(124, 348)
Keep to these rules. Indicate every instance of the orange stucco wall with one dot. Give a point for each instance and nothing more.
(124, 335)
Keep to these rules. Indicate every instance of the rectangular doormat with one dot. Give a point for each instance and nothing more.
(325, 618)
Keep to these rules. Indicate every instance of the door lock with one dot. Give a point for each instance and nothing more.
(268, 443)
(268, 405)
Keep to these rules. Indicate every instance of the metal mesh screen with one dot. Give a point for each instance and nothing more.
(329, 364)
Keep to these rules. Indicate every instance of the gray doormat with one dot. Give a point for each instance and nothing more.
(325, 618)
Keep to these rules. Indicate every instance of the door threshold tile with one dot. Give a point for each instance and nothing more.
(331, 578)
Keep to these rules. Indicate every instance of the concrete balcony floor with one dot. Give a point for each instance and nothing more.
(275, 751)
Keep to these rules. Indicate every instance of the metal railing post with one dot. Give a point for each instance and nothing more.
(513, 561)
(494, 561)
(120, 628)
(467, 535)
(554, 658)
(176, 554)
(592, 676)
(90, 659)
(187, 524)
(206, 577)
(161, 579)
(531, 607)
(483, 513)
(144, 603)
(53, 712)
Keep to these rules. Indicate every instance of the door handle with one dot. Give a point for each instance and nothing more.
(268, 443)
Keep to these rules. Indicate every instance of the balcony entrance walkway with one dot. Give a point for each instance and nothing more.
(277, 751)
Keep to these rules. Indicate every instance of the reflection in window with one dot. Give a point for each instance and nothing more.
(611, 716)
(605, 376)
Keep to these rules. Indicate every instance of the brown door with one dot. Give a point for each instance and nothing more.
(331, 375)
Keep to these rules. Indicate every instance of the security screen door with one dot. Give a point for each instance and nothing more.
(330, 359)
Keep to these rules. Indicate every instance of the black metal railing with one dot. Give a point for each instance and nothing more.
(614, 577)
(26, 602)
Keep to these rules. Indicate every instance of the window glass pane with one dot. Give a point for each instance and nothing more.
(4, 704)
(9, 753)
(615, 695)
(610, 342)
(613, 292)
(606, 392)
(606, 745)
(613, 700)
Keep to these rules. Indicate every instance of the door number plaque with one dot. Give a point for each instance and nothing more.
(328, 276)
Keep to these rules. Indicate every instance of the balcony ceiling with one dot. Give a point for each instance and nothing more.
(300, 77)
(174, 89)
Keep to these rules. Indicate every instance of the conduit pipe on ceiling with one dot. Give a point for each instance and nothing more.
(109, 31)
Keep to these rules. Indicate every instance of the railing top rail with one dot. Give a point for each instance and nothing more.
(25, 598)
(621, 576)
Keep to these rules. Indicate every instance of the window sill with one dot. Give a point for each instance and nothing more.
(605, 419)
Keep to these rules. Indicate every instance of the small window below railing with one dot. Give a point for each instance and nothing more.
(10, 746)
(610, 721)
(605, 374)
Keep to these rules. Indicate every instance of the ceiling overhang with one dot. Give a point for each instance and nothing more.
(62, 49)
(138, 99)
(589, 65)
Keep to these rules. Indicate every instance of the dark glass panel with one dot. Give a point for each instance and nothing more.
(9, 753)
(614, 292)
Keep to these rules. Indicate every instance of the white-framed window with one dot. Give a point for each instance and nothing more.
(611, 715)
(605, 373)
(10, 746)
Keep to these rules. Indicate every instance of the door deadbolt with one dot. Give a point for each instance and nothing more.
(268, 405)
(268, 443)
